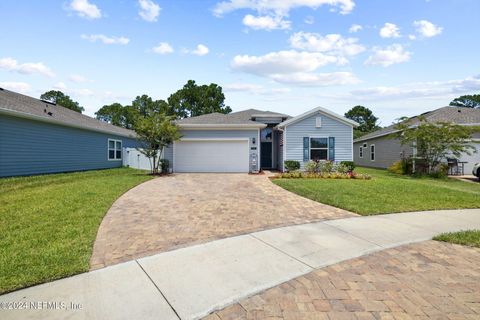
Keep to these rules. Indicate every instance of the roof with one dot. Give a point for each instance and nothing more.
(20, 105)
(458, 115)
(240, 119)
(318, 110)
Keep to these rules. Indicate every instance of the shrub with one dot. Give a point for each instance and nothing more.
(397, 167)
(326, 166)
(311, 166)
(292, 165)
(325, 175)
(164, 165)
(341, 168)
(349, 164)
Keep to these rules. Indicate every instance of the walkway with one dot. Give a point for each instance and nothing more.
(190, 283)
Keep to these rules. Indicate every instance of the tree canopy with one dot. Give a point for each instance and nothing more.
(467, 101)
(364, 116)
(59, 98)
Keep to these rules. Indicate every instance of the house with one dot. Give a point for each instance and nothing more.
(380, 149)
(251, 140)
(39, 137)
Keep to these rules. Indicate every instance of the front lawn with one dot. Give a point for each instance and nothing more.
(467, 238)
(48, 223)
(387, 192)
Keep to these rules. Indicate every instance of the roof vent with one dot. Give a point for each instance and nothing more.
(49, 102)
(459, 110)
(49, 113)
(1, 89)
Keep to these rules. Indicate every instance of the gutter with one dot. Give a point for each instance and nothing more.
(29, 116)
(222, 126)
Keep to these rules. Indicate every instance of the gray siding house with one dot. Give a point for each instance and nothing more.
(380, 149)
(252, 140)
(38, 137)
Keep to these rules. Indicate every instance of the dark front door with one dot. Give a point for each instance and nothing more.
(266, 155)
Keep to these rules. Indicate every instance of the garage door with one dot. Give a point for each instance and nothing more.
(211, 156)
(471, 159)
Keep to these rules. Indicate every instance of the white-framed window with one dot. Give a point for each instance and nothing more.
(318, 148)
(372, 152)
(360, 152)
(318, 122)
(114, 149)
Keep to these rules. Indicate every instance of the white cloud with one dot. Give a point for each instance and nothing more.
(149, 10)
(390, 30)
(317, 79)
(355, 28)
(279, 7)
(11, 64)
(200, 50)
(331, 43)
(105, 39)
(21, 87)
(412, 37)
(309, 20)
(85, 9)
(163, 48)
(427, 29)
(266, 22)
(60, 86)
(385, 57)
(254, 89)
(77, 78)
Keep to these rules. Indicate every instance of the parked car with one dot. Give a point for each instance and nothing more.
(476, 170)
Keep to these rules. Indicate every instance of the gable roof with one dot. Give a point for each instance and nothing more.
(23, 106)
(317, 110)
(458, 115)
(234, 119)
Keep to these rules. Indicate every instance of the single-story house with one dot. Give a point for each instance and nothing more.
(252, 140)
(380, 149)
(39, 137)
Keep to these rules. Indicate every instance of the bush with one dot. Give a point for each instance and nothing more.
(326, 166)
(349, 164)
(292, 165)
(311, 166)
(341, 168)
(397, 167)
(325, 175)
(164, 165)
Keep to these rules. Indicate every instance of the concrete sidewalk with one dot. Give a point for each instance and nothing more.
(190, 283)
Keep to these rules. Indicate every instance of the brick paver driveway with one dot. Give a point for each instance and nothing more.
(183, 209)
(429, 280)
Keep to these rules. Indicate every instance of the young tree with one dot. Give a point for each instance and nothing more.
(435, 141)
(366, 119)
(193, 100)
(62, 99)
(467, 101)
(154, 133)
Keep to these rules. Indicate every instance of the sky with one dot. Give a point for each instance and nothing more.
(397, 57)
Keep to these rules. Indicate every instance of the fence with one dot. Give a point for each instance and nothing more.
(135, 159)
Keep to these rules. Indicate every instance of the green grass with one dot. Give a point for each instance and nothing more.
(48, 223)
(466, 238)
(387, 192)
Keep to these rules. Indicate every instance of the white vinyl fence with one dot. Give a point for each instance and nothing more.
(135, 159)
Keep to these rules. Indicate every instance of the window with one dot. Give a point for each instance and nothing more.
(318, 149)
(372, 152)
(360, 153)
(114, 149)
(266, 134)
(318, 122)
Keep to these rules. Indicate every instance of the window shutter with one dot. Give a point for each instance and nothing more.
(331, 148)
(306, 145)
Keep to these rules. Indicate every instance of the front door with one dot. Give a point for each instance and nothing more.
(266, 155)
(266, 140)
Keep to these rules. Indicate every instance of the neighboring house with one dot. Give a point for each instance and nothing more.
(251, 140)
(380, 149)
(40, 137)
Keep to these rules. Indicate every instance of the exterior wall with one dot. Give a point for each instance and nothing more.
(225, 134)
(387, 151)
(30, 147)
(331, 127)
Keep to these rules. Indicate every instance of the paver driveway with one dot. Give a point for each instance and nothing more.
(181, 209)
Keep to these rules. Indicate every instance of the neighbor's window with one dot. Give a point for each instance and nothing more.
(114, 149)
(372, 152)
(318, 149)
(360, 153)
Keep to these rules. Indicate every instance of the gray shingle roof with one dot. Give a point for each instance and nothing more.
(456, 115)
(234, 118)
(22, 104)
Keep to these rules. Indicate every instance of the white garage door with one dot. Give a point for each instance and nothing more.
(472, 159)
(211, 156)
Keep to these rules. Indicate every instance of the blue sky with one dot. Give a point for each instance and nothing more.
(399, 58)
